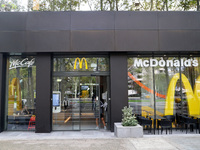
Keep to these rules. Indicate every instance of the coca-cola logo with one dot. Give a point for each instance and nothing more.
(16, 63)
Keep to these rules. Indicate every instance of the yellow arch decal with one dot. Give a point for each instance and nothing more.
(197, 89)
(76, 62)
(193, 102)
(14, 94)
(81, 65)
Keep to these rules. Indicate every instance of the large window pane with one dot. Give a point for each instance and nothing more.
(80, 93)
(140, 86)
(163, 88)
(81, 64)
(21, 93)
(190, 85)
(167, 87)
(66, 111)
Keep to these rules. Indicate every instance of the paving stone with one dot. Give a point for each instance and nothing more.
(95, 140)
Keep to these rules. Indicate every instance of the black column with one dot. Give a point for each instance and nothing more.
(2, 90)
(119, 86)
(43, 93)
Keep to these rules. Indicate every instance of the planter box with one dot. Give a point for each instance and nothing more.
(128, 131)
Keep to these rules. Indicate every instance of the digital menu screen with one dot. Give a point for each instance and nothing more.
(56, 99)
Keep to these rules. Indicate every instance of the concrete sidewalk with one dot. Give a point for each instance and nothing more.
(95, 140)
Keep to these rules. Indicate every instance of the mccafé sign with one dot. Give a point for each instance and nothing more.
(16, 63)
(80, 62)
(168, 63)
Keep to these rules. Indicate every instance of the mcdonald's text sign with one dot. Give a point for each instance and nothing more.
(167, 63)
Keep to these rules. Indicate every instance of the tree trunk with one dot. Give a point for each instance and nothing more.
(151, 8)
(101, 5)
(65, 5)
(116, 5)
(167, 5)
(110, 2)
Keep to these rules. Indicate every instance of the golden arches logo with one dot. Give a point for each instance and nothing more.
(14, 94)
(193, 98)
(80, 63)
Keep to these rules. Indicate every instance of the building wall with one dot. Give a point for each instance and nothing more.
(99, 31)
(112, 32)
(119, 87)
(2, 89)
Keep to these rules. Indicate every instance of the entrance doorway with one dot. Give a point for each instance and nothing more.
(80, 103)
(80, 93)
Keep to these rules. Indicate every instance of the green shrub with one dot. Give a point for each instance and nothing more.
(128, 119)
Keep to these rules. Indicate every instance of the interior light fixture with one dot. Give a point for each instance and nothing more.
(59, 80)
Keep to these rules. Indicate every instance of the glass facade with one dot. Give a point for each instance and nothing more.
(164, 86)
(159, 86)
(140, 77)
(76, 64)
(21, 93)
(80, 86)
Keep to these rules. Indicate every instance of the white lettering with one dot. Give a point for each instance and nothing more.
(146, 63)
(176, 63)
(162, 63)
(138, 63)
(153, 62)
(16, 63)
(170, 63)
(187, 63)
(195, 63)
(182, 62)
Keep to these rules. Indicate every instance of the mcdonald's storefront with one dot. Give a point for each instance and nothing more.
(72, 71)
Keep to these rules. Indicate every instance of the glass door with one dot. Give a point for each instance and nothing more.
(94, 102)
(80, 103)
(80, 89)
(66, 103)
(90, 103)
(76, 103)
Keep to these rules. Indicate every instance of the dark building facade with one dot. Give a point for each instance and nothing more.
(77, 70)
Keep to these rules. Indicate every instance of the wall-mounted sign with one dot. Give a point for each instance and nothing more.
(16, 63)
(80, 63)
(168, 63)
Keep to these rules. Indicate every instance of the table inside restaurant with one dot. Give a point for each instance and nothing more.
(155, 118)
(19, 119)
(198, 118)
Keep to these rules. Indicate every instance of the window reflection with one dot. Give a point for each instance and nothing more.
(171, 82)
(21, 93)
(81, 64)
(140, 85)
(167, 85)
(82, 99)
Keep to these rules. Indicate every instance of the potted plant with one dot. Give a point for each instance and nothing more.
(129, 126)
